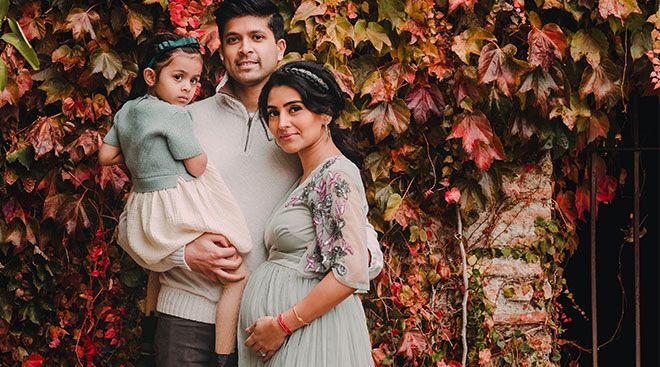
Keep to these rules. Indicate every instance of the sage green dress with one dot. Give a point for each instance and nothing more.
(318, 227)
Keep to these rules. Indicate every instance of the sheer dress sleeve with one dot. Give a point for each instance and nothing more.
(338, 208)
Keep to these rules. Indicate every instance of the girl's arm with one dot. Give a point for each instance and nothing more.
(196, 165)
(110, 154)
(268, 336)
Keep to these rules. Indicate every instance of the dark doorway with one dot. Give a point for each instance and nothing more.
(615, 258)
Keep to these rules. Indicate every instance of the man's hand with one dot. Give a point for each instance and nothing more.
(213, 256)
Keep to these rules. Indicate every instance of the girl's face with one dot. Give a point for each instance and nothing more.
(294, 126)
(177, 82)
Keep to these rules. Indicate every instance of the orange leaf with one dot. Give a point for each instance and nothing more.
(386, 116)
(619, 8)
(467, 4)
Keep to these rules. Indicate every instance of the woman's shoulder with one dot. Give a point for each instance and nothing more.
(344, 166)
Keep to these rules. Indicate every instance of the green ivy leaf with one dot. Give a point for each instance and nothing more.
(470, 42)
(394, 11)
(4, 9)
(18, 40)
(640, 43)
(3, 75)
(376, 34)
(392, 206)
(591, 44)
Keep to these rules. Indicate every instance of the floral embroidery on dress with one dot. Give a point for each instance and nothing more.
(326, 194)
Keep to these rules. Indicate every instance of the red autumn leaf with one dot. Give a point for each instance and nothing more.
(32, 27)
(378, 356)
(599, 125)
(582, 200)
(465, 84)
(484, 154)
(9, 94)
(417, 30)
(546, 44)
(379, 89)
(479, 142)
(498, 65)
(79, 22)
(75, 213)
(34, 360)
(78, 176)
(87, 143)
(618, 8)
(210, 38)
(396, 73)
(405, 213)
(425, 101)
(48, 183)
(23, 81)
(45, 135)
(345, 80)
(11, 209)
(138, 19)
(386, 116)
(52, 205)
(523, 127)
(69, 57)
(110, 333)
(566, 204)
(569, 169)
(604, 81)
(467, 4)
(606, 189)
(73, 108)
(412, 344)
(113, 174)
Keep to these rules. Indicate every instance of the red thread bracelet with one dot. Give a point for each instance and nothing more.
(280, 321)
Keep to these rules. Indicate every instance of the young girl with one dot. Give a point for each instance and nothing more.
(176, 195)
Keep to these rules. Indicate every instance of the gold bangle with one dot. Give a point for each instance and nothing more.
(295, 313)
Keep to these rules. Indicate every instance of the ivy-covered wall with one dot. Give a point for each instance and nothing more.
(459, 100)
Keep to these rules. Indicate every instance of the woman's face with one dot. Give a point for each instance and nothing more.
(294, 126)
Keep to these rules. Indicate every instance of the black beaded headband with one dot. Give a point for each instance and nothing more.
(306, 74)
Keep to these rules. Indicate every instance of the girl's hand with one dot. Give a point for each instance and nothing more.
(266, 337)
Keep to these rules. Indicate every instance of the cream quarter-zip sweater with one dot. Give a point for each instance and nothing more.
(257, 173)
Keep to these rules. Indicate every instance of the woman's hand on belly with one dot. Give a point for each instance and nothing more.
(266, 337)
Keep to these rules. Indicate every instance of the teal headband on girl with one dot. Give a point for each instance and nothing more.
(168, 45)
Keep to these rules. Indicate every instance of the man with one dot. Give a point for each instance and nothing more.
(256, 171)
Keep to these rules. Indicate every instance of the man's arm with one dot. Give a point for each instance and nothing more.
(202, 255)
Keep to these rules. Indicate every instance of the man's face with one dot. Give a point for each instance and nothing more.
(249, 50)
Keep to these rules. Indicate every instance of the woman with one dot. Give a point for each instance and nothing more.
(300, 307)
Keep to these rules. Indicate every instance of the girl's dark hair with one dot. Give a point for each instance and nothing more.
(320, 94)
(230, 9)
(161, 60)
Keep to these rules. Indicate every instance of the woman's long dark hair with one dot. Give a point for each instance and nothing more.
(161, 60)
(320, 94)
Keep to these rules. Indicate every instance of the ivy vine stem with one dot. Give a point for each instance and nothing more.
(459, 236)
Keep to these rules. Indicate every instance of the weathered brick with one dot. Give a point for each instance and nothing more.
(517, 318)
(510, 268)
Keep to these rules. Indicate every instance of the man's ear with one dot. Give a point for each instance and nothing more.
(281, 48)
(150, 77)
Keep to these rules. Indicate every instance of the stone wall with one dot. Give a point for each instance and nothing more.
(513, 287)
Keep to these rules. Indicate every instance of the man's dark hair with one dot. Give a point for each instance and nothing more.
(230, 9)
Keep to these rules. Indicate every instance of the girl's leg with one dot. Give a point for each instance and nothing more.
(226, 316)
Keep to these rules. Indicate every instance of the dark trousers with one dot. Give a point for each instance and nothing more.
(185, 343)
